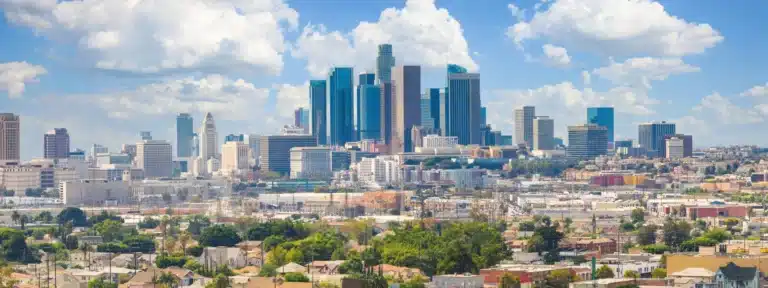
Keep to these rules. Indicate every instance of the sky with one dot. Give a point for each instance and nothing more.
(107, 69)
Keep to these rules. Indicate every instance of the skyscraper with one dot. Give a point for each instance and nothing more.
(276, 151)
(384, 63)
(370, 112)
(387, 99)
(406, 81)
(234, 156)
(426, 112)
(184, 134)
(155, 157)
(56, 144)
(301, 119)
(543, 133)
(586, 141)
(434, 105)
(318, 102)
(363, 79)
(602, 116)
(524, 125)
(145, 135)
(234, 138)
(462, 106)
(651, 137)
(483, 116)
(209, 142)
(10, 137)
(340, 94)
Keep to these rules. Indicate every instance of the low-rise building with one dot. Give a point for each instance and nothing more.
(94, 192)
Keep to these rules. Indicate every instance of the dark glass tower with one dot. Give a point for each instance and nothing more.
(341, 104)
(184, 134)
(363, 79)
(462, 106)
(318, 113)
(602, 116)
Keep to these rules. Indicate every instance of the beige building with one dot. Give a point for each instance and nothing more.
(311, 163)
(93, 192)
(155, 157)
(10, 137)
(20, 178)
(234, 156)
(543, 133)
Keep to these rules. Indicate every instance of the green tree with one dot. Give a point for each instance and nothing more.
(277, 256)
(109, 230)
(167, 279)
(148, 223)
(197, 223)
(219, 235)
(74, 215)
(296, 277)
(631, 274)
(730, 223)
(165, 261)
(638, 215)
(507, 280)
(268, 270)
(45, 217)
(100, 282)
(560, 278)
(194, 251)
(221, 281)
(12, 244)
(659, 273)
(6, 278)
(294, 255)
(676, 232)
(646, 235)
(604, 272)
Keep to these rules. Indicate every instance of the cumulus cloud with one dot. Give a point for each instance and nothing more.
(556, 55)
(15, 75)
(586, 78)
(289, 97)
(421, 33)
(163, 36)
(725, 111)
(621, 28)
(641, 71)
(757, 91)
(226, 98)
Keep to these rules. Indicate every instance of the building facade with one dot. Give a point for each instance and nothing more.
(155, 157)
(362, 80)
(435, 95)
(651, 137)
(524, 125)
(234, 156)
(276, 151)
(384, 63)
(184, 134)
(301, 119)
(56, 144)
(586, 142)
(319, 110)
(370, 112)
(387, 98)
(94, 192)
(543, 133)
(340, 92)
(462, 106)
(437, 141)
(10, 137)
(311, 163)
(407, 106)
(602, 116)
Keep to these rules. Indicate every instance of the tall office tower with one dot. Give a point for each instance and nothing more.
(184, 134)
(254, 142)
(462, 106)
(426, 112)
(587, 141)
(311, 163)
(145, 135)
(209, 142)
(319, 110)
(301, 119)
(387, 97)
(651, 137)
(97, 149)
(602, 116)
(234, 138)
(234, 156)
(195, 147)
(543, 133)
(56, 144)
(686, 142)
(155, 157)
(406, 81)
(674, 147)
(370, 112)
(434, 106)
(276, 151)
(362, 80)
(340, 94)
(384, 63)
(524, 125)
(10, 137)
(483, 116)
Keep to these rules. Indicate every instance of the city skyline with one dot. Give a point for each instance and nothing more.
(684, 82)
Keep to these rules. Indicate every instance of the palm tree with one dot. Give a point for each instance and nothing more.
(15, 216)
(23, 220)
(184, 238)
(170, 243)
(167, 279)
(164, 228)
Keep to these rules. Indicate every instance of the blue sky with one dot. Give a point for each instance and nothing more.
(106, 69)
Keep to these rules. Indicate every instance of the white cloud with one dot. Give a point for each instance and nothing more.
(225, 98)
(421, 33)
(641, 71)
(757, 91)
(516, 11)
(15, 75)
(161, 36)
(586, 78)
(611, 27)
(725, 111)
(717, 120)
(556, 55)
(290, 97)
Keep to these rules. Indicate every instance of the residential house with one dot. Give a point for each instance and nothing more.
(733, 276)
(325, 267)
(397, 272)
(129, 261)
(691, 277)
(457, 281)
(269, 282)
(91, 240)
(291, 268)
(231, 256)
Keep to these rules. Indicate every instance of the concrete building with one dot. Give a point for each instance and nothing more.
(115, 172)
(602, 116)
(94, 192)
(651, 136)
(524, 125)
(208, 138)
(234, 156)
(543, 133)
(417, 136)
(384, 63)
(311, 163)
(213, 165)
(56, 144)
(436, 141)
(462, 106)
(370, 112)
(155, 157)
(586, 142)
(276, 151)
(683, 145)
(301, 119)
(184, 134)
(674, 148)
(10, 137)
(319, 110)
(20, 178)
(112, 158)
(387, 91)
(464, 178)
(406, 81)
(253, 141)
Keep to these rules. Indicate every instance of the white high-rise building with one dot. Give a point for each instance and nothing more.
(311, 163)
(10, 135)
(213, 165)
(234, 156)
(437, 141)
(155, 157)
(208, 138)
(675, 148)
(543, 133)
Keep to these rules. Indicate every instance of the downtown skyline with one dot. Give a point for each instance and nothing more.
(691, 83)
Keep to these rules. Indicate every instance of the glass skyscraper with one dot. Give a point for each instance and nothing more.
(184, 134)
(384, 63)
(652, 135)
(426, 113)
(318, 110)
(363, 79)
(434, 106)
(602, 116)
(586, 142)
(340, 89)
(462, 106)
(370, 118)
